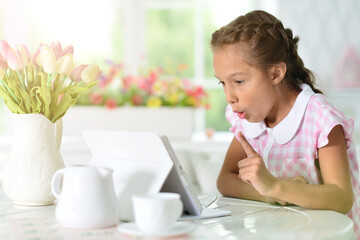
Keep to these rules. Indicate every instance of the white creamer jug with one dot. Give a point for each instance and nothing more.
(86, 197)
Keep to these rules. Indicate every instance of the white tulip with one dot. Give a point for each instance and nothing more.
(65, 64)
(47, 60)
(90, 73)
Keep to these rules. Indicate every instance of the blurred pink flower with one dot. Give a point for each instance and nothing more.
(154, 87)
(141, 83)
(187, 84)
(96, 98)
(128, 80)
(153, 76)
(137, 100)
(111, 103)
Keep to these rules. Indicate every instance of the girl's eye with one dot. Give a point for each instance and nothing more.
(221, 83)
(239, 81)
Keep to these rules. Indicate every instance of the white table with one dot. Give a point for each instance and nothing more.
(249, 220)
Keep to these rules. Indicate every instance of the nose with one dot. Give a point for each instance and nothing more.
(230, 97)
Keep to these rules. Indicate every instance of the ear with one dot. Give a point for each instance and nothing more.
(278, 72)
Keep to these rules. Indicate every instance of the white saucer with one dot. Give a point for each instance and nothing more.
(178, 229)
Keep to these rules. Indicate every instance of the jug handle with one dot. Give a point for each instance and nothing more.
(56, 183)
(59, 132)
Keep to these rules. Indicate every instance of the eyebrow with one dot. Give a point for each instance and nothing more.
(233, 74)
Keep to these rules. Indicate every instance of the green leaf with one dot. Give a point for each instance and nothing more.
(13, 106)
(46, 96)
(35, 97)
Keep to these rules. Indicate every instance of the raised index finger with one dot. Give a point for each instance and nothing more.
(249, 150)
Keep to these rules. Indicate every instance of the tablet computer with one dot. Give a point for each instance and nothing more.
(177, 181)
(144, 162)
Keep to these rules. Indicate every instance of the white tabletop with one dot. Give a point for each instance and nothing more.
(249, 220)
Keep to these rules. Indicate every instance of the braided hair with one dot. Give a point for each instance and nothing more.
(265, 42)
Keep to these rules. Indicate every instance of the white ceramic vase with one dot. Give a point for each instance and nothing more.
(33, 160)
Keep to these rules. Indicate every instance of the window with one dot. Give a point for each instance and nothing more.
(137, 32)
(169, 32)
(179, 32)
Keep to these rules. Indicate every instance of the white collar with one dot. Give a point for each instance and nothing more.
(286, 129)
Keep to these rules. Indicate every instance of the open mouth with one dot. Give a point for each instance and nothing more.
(241, 115)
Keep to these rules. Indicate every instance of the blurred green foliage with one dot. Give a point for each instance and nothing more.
(170, 41)
(169, 38)
(215, 116)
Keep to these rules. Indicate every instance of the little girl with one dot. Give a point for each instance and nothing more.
(291, 146)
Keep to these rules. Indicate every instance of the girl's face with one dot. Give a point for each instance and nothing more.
(249, 91)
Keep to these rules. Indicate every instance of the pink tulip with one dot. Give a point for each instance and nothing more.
(36, 53)
(76, 73)
(57, 49)
(68, 50)
(4, 48)
(14, 59)
(24, 53)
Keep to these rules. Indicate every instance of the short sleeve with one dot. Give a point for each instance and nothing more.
(332, 117)
(235, 122)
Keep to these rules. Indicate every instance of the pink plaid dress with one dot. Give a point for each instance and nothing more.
(290, 148)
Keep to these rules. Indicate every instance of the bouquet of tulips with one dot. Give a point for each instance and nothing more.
(47, 82)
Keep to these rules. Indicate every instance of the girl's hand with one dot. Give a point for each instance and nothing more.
(252, 169)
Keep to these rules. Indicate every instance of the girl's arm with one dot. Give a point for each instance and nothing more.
(228, 182)
(336, 192)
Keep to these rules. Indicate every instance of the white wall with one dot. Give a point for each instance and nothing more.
(326, 29)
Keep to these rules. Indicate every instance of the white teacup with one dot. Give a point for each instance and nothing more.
(156, 212)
